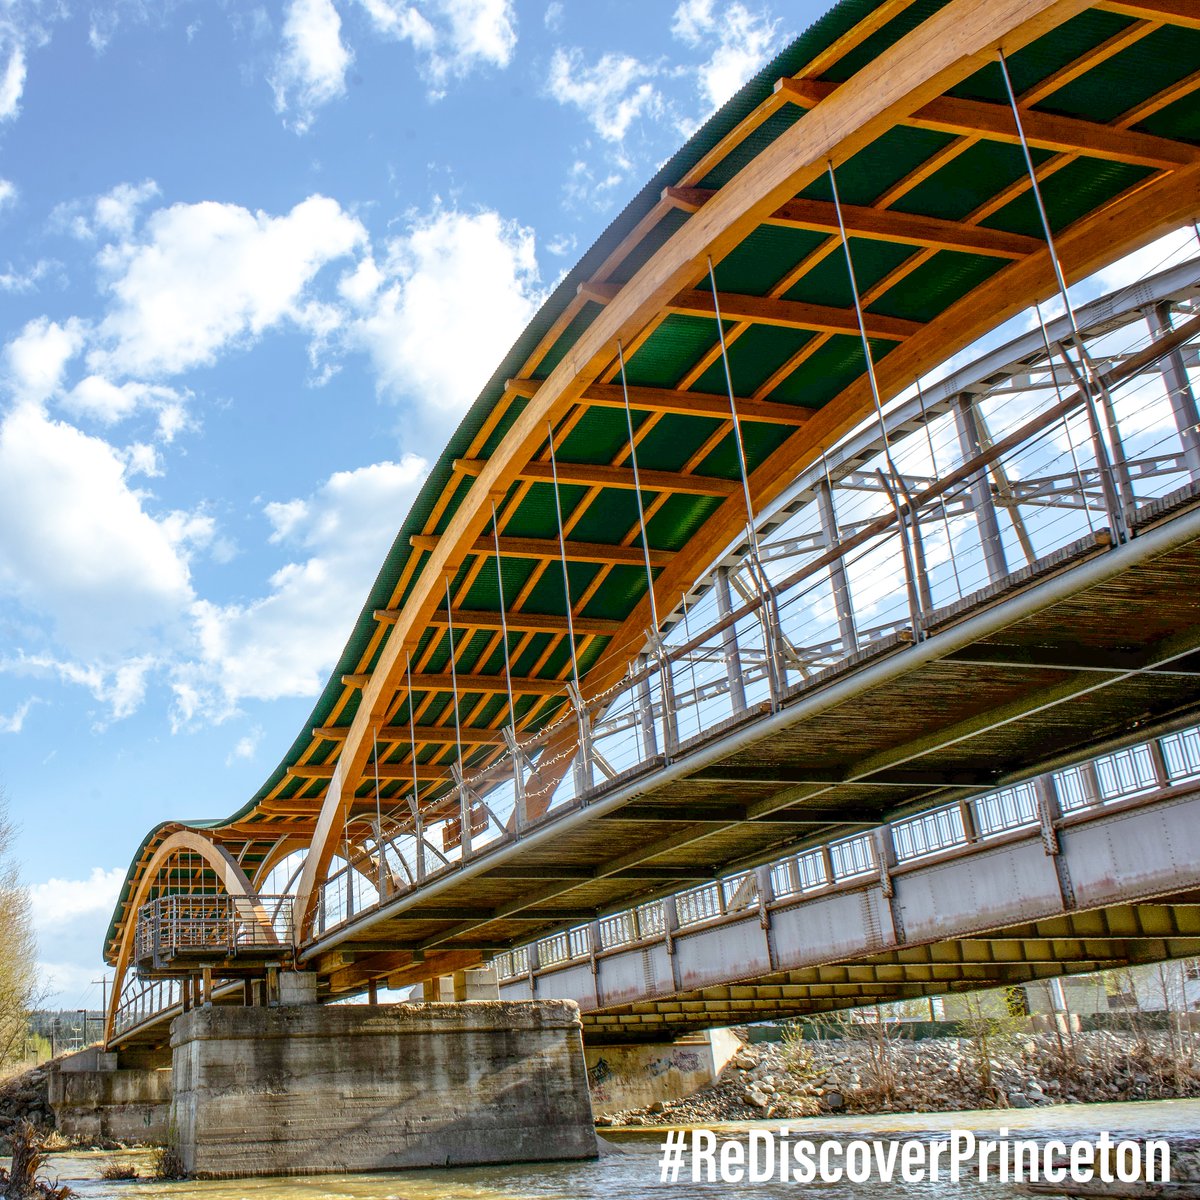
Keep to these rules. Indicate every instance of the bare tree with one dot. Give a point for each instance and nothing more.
(18, 948)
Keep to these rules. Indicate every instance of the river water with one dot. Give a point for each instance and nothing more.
(631, 1170)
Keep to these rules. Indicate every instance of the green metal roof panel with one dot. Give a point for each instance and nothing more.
(867, 175)
(968, 181)
(1043, 57)
(1068, 194)
(670, 350)
(936, 284)
(764, 258)
(903, 23)
(753, 358)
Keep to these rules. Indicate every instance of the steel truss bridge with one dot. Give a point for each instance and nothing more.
(722, 568)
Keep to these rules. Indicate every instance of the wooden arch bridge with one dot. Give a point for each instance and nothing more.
(633, 634)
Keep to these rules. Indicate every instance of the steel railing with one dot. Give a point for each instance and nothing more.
(848, 861)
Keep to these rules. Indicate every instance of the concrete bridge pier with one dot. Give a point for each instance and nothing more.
(100, 1097)
(637, 1076)
(309, 1088)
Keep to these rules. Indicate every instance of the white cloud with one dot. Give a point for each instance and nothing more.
(99, 399)
(116, 211)
(8, 193)
(453, 295)
(453, 37)
(120, 687)
(78, 545)
(206, 275)
(72, 916)
(37, 357)
(245, 747)
(63, 902)
(1174, 247)
(285, 643)
(143, 459)
(15, 722)
(741, 42)
(611, 95)
(311, 69)
(586, 188)
(16, 281)
(12, 84)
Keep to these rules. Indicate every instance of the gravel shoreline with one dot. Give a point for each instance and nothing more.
(888, 1074)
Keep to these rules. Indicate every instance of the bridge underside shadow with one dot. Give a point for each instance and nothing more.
(1072, 944)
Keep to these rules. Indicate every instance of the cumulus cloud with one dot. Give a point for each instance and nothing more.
(61, 902)
(115, 212)
(206, 275)
(452, 37)
(37, 357)
(72, 915)
(448, 302)
(8, 193)
(284, 643)
(740, 40)
(311, 69)
(612, 94)
(78, 545)
(101, 400)
(12, 83)
(246, 747)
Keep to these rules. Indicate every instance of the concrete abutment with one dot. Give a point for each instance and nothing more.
(99, 1097)
(306, 1088)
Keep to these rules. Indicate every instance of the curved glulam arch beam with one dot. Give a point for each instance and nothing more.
(227, 870)
(951, 45)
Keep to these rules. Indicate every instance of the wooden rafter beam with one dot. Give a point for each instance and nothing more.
(766, 310)
(401, 771)
(879, 224)
(398, 734)
(614, 477)
(676, 403)
(790, 314)
(547, 548)
(1172, 12)
(522, 622)
(1047, 131)
(489, 685)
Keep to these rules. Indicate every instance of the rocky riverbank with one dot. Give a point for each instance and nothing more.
(889, 1073)
(25, 1097)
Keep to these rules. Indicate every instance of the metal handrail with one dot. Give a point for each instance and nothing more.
(990, 816)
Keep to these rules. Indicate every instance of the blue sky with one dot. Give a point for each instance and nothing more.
(255, 261)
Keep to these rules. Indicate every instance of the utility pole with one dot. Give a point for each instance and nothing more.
(103, 982)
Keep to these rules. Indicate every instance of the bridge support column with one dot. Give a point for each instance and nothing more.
(477, 984)
(99, 1097)
(438, 990)
(330, 1088)
(297, 987)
